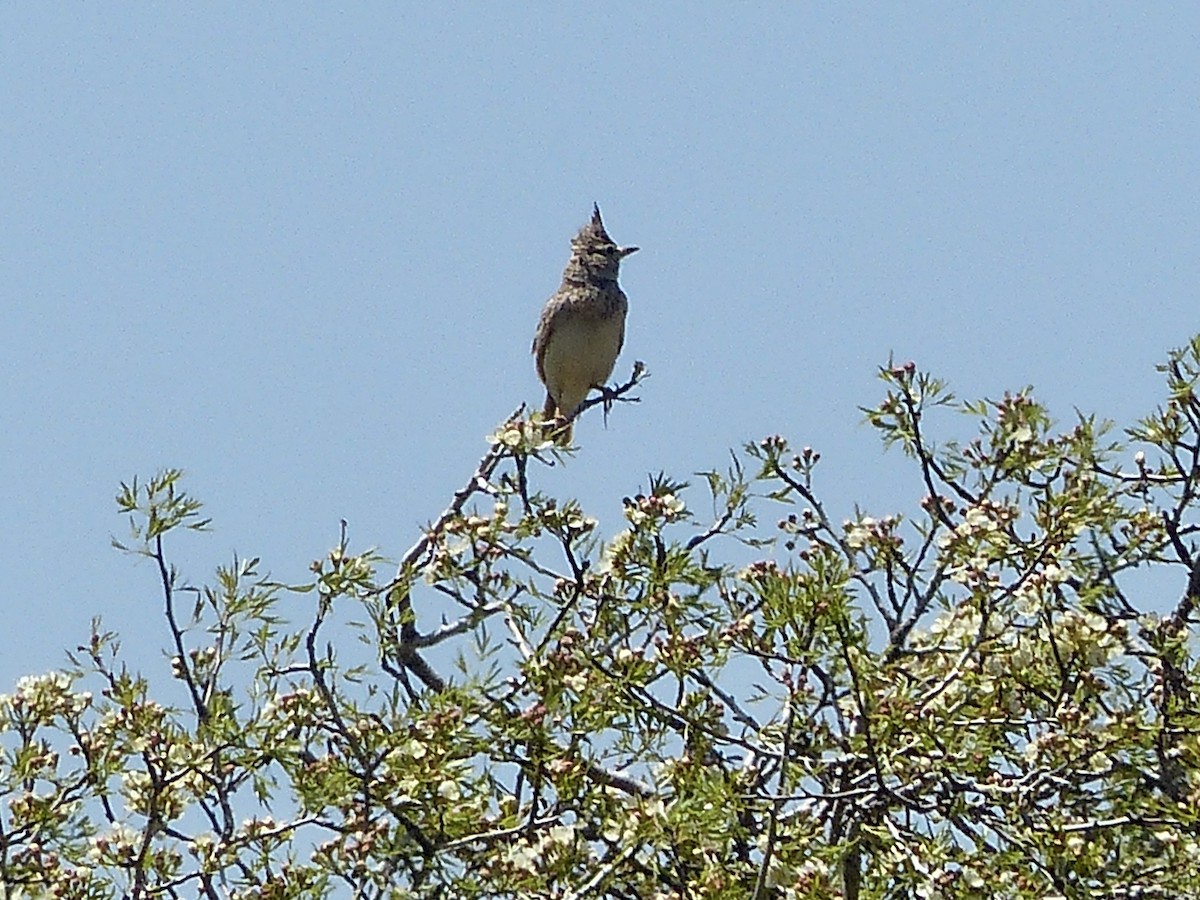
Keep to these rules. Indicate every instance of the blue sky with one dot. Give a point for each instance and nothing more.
(300, 252)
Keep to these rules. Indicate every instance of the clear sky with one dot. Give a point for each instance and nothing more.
(299, 252)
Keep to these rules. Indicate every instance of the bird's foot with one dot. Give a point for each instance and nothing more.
(607, 398)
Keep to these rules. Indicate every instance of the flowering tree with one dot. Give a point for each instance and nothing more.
(989, 696)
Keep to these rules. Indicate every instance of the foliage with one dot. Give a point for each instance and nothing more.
(981, 699)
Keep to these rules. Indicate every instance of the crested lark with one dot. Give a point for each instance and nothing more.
(582, 326)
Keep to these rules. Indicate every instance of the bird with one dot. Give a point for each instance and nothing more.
(582, 326)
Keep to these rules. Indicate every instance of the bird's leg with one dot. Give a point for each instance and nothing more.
(607, 398)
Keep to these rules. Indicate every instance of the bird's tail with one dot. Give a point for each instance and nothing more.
(556, 427)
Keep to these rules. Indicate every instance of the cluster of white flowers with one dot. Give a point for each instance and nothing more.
(45, 696)
(577, 682)
(117, 843)
(979, 523)
(1088, 635)
(1029, 594)
(180, 782)
(956, 628)
(526, 855)
(858, 533)
(666, 507)
(517, 432)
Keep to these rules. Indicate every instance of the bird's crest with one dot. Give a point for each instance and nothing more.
(593, 232)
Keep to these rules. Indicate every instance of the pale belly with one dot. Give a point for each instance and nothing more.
(580, 355)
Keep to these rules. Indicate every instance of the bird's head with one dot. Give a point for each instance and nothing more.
(594, 255)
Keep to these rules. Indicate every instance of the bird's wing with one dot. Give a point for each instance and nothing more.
(541, 337)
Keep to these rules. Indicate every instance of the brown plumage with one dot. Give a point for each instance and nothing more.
(582, 326)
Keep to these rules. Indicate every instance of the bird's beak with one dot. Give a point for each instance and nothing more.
(625, 251)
